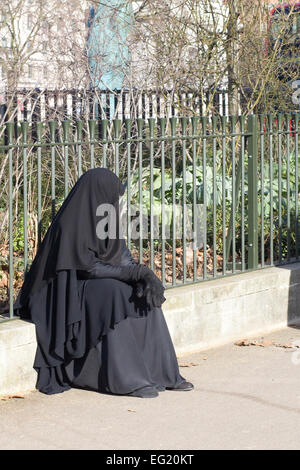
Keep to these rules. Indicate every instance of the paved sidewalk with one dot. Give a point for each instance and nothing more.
(244, 398)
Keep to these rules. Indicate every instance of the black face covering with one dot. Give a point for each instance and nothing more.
(71, 242)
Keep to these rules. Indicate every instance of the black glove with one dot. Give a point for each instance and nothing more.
(139, 289)
(99, 270)
(149, 286)
(153, 289)
(147, 283)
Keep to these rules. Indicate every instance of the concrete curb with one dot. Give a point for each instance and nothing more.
(17, 351)
(213, 313)
(199, 316)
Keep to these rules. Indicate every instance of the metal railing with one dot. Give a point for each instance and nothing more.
(45, 104)
(206, 197)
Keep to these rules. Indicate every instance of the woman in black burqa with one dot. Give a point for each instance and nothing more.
(97, 312)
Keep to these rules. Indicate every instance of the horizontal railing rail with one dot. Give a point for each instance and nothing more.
(45, 104)
(206, 197)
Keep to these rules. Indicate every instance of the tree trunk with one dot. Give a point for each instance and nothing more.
(231, 52)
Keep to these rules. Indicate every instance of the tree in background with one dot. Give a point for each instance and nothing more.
(194, 46)
(205, 44)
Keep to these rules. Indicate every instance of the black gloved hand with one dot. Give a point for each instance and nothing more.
(153, 289)
(139, 289)
(148, 285)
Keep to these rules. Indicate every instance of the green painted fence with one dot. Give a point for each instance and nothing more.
(214, 196)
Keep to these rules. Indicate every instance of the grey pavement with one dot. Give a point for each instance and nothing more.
(244, 398)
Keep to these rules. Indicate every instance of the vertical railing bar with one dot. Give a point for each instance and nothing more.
(39, 127)
(204, 130)
(242, 156)
(140, 124)
(79, 127)
(66, 126)
(52, 126)
(128, 134)
(173, 123)
(262, 187)
(9, 132)
(252, 193)
(143, 106)
(195, 228)
(288, 122)
(151, 122)
(270, 122)
(24, 128)
(223, 119)
(117, 131)
(163, 220)
(214, 162)
(107, 108)
(104, 124)
(296, 184)
(92, 128)
(184, 122)
(234, 189)
(280, 186)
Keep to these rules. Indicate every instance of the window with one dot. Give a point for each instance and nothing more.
(4, 42)
(29, 21)
(45, 72)
(30, 71)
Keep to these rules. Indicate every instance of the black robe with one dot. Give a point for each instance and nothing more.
(92, 333)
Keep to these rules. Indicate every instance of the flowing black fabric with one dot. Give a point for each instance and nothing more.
(72, 313)
(118, 347)
(137, 353)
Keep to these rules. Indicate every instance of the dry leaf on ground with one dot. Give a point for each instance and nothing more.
(287, 346)
(188, 364)
(262, 344)
(242, 342)
(9, 397)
